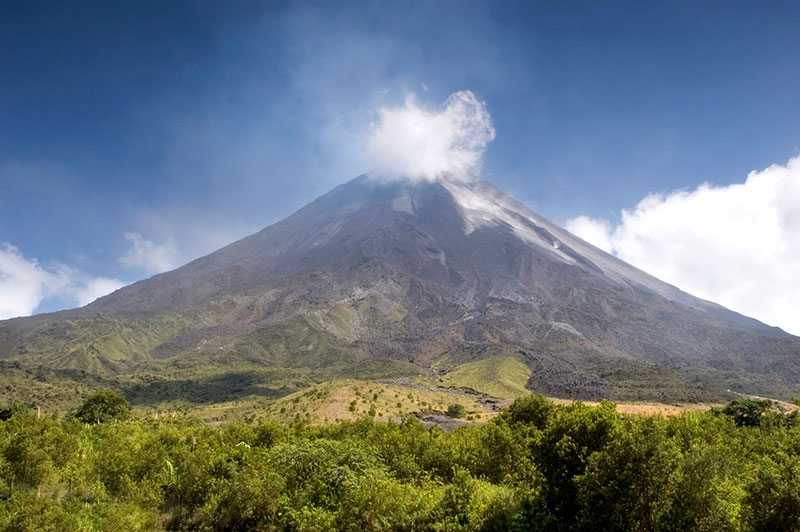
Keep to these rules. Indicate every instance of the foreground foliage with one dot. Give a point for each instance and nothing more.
(538, 466)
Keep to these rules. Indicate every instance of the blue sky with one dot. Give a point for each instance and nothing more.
(135, 136)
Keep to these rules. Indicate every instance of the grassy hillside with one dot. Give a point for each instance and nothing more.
(101, 345)
(156, 385)
(348, 399)
(499, 376)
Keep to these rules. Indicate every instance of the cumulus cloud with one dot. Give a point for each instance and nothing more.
(150, 256)
(417, 143)
(737, 245)
(594, 230)
(24, 284)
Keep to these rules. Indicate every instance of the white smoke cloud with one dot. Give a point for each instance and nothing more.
(24, 284)
(416, 143)
(737, 245)
(150, 256)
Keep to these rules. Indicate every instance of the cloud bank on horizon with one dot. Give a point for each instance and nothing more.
(423, 144)
(24, 283)
(736, 245)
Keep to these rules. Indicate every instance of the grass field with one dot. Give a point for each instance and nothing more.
(347, 399)
(499, 376)
(350, 399)
(223, 393)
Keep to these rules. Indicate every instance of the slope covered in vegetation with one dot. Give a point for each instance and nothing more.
(500, 376)
(349, 400)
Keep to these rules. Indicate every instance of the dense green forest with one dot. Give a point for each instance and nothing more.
(537, 466)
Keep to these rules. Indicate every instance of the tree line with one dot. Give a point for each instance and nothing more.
(537, 466)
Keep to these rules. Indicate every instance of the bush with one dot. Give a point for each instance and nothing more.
(11, 409)
(747, 412)
(455, 411)
(104, 406)
(533, 410)
(772, 501)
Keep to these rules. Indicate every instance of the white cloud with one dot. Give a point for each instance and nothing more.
(91, 289)
(421, 144)
(593, 230)
(24, 284)
(151, 257)
(737, 245)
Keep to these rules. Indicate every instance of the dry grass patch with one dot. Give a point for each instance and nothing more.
(348, 399)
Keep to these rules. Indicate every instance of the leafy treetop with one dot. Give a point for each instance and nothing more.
(103, 406)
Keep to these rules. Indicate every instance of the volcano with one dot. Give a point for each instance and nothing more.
(386, 278)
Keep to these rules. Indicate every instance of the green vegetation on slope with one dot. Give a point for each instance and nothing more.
(500, 376)
(216, 354)
(156, 386)
(100, 345)
(302, 344)
(264, 363)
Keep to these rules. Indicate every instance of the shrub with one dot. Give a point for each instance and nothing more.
(103, 406)
(11, 409)
(456, 411)
(747, 412)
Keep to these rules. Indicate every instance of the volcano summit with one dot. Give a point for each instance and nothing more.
(386, 278)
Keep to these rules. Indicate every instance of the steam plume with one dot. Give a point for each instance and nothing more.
(416, 143)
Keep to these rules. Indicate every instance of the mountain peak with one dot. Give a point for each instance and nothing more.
(436, 272)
